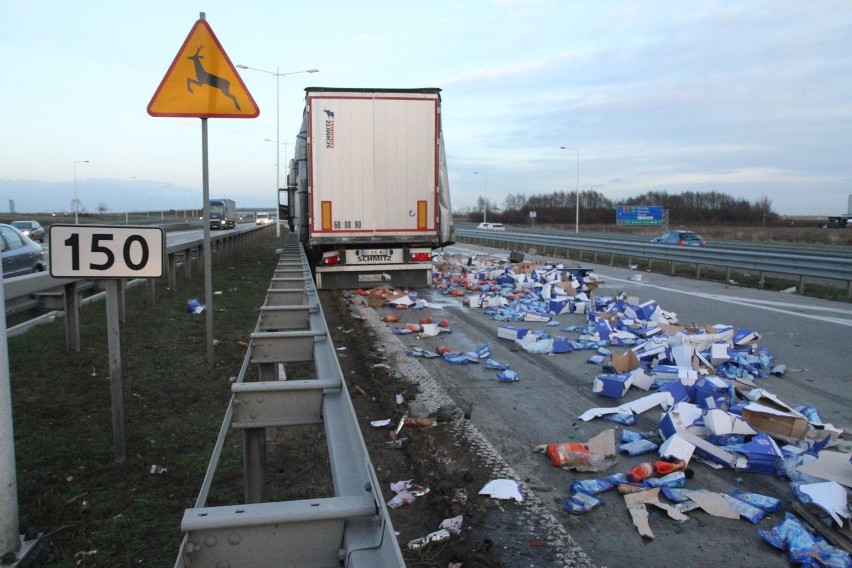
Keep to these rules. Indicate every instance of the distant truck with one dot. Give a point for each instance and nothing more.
(263, 218)
(223, 214)
(368, 192)
(838, 222)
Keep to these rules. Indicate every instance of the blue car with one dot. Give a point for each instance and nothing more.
(683, 238)
(20, 254)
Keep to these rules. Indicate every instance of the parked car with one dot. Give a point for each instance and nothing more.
(32, 229)
(492, 226)
(683, 238)
(20, 254)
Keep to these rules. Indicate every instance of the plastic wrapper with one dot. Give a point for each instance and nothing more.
(580, 503)
(626, 418)
(438, 536)
(590, 486)
(492, 364)
(400, 499)
(453, 524)
(577, 456)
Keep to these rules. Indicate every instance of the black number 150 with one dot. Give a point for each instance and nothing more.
(97, 238)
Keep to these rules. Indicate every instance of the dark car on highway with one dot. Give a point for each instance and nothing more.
(32, 229)
(20, 254)
(684, 238)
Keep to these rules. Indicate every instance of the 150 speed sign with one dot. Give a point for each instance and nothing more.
(105, 251)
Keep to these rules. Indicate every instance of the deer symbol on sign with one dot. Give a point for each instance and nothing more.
(202, 77)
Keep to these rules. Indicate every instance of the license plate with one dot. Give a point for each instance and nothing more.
(375, 255)
(374, 252)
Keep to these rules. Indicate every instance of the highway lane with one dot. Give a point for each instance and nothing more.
(810, 336)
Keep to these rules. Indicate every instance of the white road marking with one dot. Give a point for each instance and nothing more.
(767, 305)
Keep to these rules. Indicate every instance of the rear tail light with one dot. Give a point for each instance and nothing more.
(421, 257)
(681, 242)
(330, 259)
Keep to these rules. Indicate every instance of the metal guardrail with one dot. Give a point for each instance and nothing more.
(351, 528)
(781, 248)
(799, 266)
(41, 291)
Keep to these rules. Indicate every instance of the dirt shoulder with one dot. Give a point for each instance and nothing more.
(452, 459)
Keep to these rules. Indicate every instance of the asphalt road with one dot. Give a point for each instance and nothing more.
(810, 336)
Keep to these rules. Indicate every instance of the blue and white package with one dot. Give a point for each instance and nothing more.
(508, 376)
(674, 479)
(492, 364)
(639, 447)
(768, 504)
(580, 503)
(745, 510)
(675, 494)
(628, 435)
(590, 486)
(616, 478)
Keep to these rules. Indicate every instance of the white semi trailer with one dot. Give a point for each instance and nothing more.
(367, 190)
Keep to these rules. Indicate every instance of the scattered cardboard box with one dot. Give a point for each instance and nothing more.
(786, 426)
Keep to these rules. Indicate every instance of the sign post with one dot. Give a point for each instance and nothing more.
(109, 253)
(203, 89)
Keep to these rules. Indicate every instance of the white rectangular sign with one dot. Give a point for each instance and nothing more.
(106, 251)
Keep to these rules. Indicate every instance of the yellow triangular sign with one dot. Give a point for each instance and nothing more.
(202, 82)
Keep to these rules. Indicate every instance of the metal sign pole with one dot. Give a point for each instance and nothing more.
(9, 541)
(115, 381)
(208, 263)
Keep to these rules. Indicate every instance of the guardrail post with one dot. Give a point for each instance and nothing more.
(172, 271)
(254, 463)
(187, 264)
(698, 272)
(72, 317)
(801, 285)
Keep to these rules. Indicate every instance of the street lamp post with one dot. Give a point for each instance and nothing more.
(76, 201)
(577, 191)
(484, 195)
(126, 204)
(277, 76)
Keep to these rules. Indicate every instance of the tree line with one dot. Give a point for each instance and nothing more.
(687, 207)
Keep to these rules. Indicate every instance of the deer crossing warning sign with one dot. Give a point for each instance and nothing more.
(202, 82)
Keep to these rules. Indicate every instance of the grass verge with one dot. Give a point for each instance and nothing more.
(93, 511)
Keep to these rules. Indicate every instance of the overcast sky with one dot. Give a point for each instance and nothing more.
(749, 98)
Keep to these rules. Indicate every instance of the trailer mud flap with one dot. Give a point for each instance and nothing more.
(338, 277)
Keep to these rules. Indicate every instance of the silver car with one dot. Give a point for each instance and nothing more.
(32, 229)
(20, 254)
